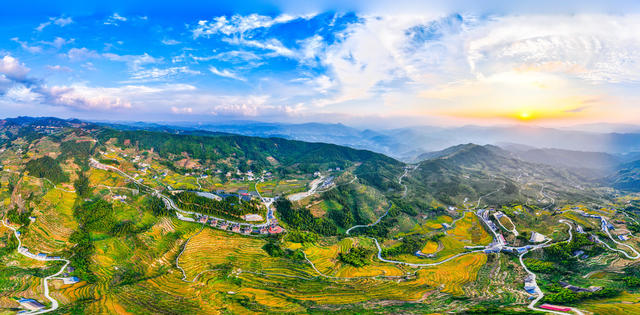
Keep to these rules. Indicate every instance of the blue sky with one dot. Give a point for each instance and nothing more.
(385, 62)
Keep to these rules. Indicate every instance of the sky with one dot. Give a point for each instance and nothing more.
(387, 63)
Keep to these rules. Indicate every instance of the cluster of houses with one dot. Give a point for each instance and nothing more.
(328, 182)
(605, 226)
(579, 289)
(41, 256)
(119, 197)
(484, 215)
(31, 304)
(499, 245)
(530, 284)
(252, 217)
(421, 254)
(273, 228)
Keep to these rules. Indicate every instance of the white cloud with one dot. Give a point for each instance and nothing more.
(25, 46)
(13, 69)
(59, 68)
(404, 54)
(78, 54)
(252, 106)
(181, 110)
(80, 96)
(89, 66)
(226, 73)
(238, 24)
(83, 97)
(155, 74)
(114, 19)
(58, 42)
(22, 94)
(234, 56)
(134, 62)
(170, 42)
(60, 21)
(591, 47)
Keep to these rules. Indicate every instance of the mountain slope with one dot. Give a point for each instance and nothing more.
(470, 171)
(627, 177)
(572, 159)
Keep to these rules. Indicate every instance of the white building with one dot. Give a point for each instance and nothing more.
(537, 237)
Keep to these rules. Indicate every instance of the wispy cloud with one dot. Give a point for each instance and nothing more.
(79, 54)
(27, 47)
(226, 73)
(156, 74)
(59, 21)
(170, 42)
(134, 62)
(181, 110)
(58, 42)
(115, 19)
(238, 24)
(59, 68)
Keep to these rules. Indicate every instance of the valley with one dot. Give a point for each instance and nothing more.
(101, 220)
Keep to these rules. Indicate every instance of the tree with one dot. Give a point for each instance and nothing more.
(82, 185)
(46, 167)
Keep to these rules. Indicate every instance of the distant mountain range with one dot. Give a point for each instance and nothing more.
(609, 159)
(409, 143)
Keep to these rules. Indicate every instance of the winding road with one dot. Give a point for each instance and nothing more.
(379, 255)
(532, 305)
(169, 202)
(45, 281)
(404, 194)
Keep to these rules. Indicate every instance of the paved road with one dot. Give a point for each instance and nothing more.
(301, 195)
(379, 255)
(532, 305)
(404, 194)
(636, 256)
(45, 281)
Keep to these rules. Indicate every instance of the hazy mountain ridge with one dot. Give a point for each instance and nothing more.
(627, 177)
(409, 143)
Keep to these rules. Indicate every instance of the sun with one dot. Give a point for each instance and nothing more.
(524, 115)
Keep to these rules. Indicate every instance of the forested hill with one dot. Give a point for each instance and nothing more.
(260, 152)
(627, 177)
(470, 171)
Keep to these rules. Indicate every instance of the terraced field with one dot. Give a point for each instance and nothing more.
(325, 258)
(453, 275)
(622, 305)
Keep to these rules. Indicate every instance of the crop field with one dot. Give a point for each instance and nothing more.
(431, 247)
(274, 188)
(507, 223)
(470, 230)
(454, 274)
(626, 303)
(319, 207)
(325, 258)
(54, 222)
(99, 177)
(467, 231)
(431, 225)
(178, 181)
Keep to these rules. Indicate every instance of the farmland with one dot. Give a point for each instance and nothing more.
(149, 229)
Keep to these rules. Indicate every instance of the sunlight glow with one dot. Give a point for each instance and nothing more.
(524, 115)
